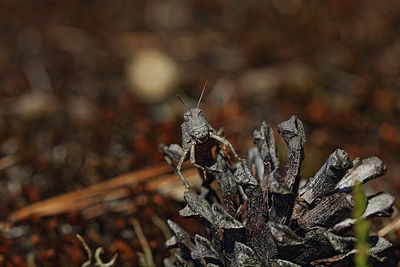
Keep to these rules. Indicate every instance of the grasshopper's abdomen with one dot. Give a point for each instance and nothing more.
(203, 153)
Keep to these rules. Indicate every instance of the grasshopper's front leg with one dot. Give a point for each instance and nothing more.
(179, 167)
(173, 153)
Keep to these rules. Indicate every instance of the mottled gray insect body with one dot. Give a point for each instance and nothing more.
(198, 139)
(195, 127)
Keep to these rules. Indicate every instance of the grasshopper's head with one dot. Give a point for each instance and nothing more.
(197, 125)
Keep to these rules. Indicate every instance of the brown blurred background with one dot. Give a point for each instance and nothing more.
(88, 90)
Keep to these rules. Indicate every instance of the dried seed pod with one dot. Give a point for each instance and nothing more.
(309, 226)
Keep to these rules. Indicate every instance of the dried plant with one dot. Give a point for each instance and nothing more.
(264, 216)
(98, 262)
(145, 257)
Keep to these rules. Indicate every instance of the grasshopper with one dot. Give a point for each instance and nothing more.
(198, 139)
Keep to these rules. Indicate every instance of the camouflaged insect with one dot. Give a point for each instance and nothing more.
(198, 138)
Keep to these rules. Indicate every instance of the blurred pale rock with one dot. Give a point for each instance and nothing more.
(151, 74)
(261, 80)
(167, 15)
(34, 105)
(297, 76)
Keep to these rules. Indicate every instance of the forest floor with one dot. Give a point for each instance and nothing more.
(82, 101)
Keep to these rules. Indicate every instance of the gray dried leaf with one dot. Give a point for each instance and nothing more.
(292, 132)
(243, 175)
(265, 142)
(180, 237)
(379, 205)
(284, 236)
(285, 188)
(340, 244)
(378, 246)
(222, 219)
(196, 206)
(362, 171)
(204, 249)
(253, 193)
(275, 185)
(254, 159)
(214, 215)
(320, 244)
(224, 176)
(244, 256)
(331, 210)
(324, 182)
(259, 236)
(346, 223)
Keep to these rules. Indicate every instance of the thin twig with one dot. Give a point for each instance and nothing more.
(88, 251)
(98, 261)
(162, 225)
(155, 178)
(84, 197)
(392, 226)
(143, 242)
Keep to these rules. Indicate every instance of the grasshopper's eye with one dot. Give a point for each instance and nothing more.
(200, 112)
(186, 117)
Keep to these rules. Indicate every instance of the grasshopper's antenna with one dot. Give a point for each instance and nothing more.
(202, 92)
(178, 96)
